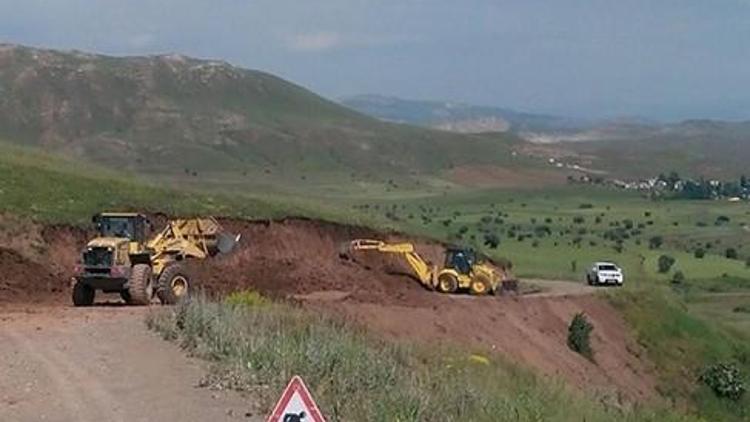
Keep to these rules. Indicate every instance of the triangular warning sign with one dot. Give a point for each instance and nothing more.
(296, 405)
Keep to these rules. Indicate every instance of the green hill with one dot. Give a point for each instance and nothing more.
(176, 115)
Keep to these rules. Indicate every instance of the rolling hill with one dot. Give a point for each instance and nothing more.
(171, 114)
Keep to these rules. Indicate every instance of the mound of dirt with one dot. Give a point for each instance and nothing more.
(293, 257)
(24, 280)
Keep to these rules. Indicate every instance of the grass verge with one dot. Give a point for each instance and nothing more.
(357, 377)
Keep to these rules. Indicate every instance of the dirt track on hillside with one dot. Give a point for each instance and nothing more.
(60, 363)
(298, 260)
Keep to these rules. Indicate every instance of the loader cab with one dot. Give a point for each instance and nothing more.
(460, 259)
(131, 226)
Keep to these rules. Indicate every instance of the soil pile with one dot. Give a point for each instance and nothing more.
(293, 257)
(24, 280)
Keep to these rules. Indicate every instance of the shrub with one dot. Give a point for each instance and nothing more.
(579, 219)
(655, 242)
(742, 309)
(665, 262)
(579, 336)
(678, 277)
(699, 253)
(586, 206)
(725, 380)
(731, 253)
(722, 219)
(491, 240)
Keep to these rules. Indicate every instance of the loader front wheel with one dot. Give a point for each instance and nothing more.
(140, 287)
(479, 286)
(174, 285)
(447, 283)
(83, 295)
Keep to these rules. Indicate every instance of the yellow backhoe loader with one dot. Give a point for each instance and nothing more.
(462, 269)
(121, 259)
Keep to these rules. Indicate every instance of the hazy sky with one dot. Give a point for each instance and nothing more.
(653, 58)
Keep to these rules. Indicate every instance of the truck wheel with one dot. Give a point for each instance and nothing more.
(447, 283)
(479, 286)
(174, 285)
(139, 285)
(83, 295)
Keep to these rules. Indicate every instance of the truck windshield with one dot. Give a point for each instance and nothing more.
(608, 267)
(117, 227)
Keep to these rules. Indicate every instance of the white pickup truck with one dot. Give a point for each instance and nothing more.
(603, 273)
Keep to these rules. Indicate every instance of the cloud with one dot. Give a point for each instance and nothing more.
(315, 41)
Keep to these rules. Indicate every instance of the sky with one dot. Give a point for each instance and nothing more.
(658, 59)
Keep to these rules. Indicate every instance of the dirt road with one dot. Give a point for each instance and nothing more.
(101, 364)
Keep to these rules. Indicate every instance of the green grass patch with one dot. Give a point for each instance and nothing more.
(357, 377)
(682, 344)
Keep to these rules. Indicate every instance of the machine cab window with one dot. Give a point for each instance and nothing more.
(129, 226)
(460, 259)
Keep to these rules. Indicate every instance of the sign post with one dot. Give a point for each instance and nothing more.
(296, 405)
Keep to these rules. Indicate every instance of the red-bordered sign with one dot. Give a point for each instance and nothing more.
(296, 405)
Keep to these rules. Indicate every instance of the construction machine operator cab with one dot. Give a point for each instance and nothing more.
(131, 226)
(460, 259)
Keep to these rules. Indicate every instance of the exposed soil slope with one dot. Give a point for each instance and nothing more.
(299, 260)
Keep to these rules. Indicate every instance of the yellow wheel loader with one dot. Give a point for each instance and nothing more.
(121, 259)
(462, 268)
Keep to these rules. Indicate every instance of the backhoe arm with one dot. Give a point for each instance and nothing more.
(421, 268)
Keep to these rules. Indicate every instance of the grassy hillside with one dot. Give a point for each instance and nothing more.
(177, 115)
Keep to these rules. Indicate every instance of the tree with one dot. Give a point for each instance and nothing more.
(699, 253)
(731, 253)
(664, 263)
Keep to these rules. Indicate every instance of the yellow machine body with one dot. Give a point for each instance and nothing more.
(478, 277)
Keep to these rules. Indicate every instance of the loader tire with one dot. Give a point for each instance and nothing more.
(479, 286)
(447, 283)
(140, 287)
(83, 295)
(125, 295)
(175, 285)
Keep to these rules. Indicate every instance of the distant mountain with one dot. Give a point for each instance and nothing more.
(457, 117)
(170, 113)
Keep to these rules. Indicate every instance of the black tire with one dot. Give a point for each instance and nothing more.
(479, 286)
(175, 285)
(83, 295)
(139, 285)
(125, 295)
(447, 283)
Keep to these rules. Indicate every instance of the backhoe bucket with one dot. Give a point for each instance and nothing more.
(226, 242)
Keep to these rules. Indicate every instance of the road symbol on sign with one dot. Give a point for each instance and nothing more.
(296, 405)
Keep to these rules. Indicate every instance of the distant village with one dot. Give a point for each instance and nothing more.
(670, 185)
